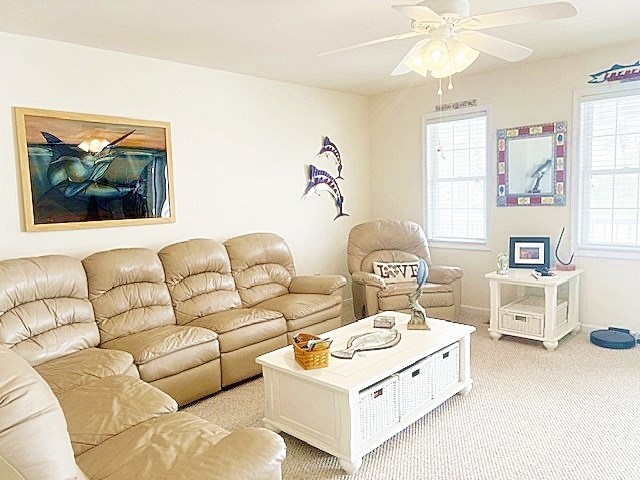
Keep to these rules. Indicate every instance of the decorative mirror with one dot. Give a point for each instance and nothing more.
(531, 165)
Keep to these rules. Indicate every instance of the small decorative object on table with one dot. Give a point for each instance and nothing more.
(384, 321)
(503, 264)
(418, 315)
(310, 351)
(369, 341)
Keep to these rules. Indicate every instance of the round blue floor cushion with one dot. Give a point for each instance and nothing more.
(617, 338)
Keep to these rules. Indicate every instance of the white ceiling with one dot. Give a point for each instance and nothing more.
(279, 39)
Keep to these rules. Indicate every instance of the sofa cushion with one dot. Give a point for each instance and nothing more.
(170, 446)
(76, 369)
(181, 446)
(262, 266)
(105, 407)
(33, 430)
(243, 326)
(44, 309)
(164, 351)
(407, 288)
(198, 274)
(299, 305)
(128, 291)
(396, 297)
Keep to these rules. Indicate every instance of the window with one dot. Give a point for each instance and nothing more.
(608, 213)
(456, 177)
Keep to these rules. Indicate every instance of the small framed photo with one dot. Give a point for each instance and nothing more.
(529, 252)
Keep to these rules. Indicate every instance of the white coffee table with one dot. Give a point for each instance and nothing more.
(321, 407)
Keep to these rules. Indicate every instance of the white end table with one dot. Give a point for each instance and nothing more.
(523, 277)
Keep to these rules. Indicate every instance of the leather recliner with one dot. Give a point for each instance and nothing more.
(134, 314)
(390, 241)
(46, 318)
(264, 273)
(203, 293)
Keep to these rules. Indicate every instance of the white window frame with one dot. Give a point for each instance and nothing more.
(452, 115)
(579, 96)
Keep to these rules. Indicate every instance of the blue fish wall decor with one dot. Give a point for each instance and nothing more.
(320, 180)
(329, 148)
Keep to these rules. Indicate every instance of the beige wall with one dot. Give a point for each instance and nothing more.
(240, 145)
(518, 95)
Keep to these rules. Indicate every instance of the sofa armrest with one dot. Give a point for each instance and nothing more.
(368, 279)
(324, 284)
(444, 275)
(248, 454)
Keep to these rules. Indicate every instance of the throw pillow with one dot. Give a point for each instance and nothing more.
(397, 272)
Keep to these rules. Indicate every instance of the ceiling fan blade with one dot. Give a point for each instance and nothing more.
(372, 42)
(536, 13)
(495, 46)
(420, 13)
(401, 69)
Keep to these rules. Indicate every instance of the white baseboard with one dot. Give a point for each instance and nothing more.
(485, 312)
(590, 328)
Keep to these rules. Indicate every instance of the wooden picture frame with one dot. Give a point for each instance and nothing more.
(86, 171)
(529, 252)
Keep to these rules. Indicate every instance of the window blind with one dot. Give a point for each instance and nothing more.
(456, 171)
(609, 173)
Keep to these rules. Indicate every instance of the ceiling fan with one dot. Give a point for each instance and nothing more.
(454, 39)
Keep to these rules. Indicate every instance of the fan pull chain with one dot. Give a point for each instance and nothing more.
(439, 148)
(440, 89)
(450, 87)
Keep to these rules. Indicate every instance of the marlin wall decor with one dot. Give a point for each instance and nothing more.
(617, 73)
(319, 180)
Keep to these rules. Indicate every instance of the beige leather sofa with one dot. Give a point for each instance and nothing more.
(180, 320)
(116, 428)
(264, 274)
(389, 241)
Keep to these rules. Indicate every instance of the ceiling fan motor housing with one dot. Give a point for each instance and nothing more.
(449, 9)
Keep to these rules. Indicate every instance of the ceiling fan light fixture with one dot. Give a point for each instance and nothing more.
(462, 56)
(436, 55)
(416, 63)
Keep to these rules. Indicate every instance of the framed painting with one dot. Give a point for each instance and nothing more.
(86, 171)
(529, 252)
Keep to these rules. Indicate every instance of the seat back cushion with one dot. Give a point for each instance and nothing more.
(262, 266)
(386, 241)
(198, 274)
(128, 291)
(44, 309)
(33, 430)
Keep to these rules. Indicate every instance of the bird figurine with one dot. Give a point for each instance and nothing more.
(418, 314)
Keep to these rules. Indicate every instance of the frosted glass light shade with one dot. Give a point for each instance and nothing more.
(436, 55)
(442, 58)
(416, 64)
(462, 56)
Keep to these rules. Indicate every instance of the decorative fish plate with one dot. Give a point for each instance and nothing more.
(368, 341)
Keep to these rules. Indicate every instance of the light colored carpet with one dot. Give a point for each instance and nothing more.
(532, 414)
